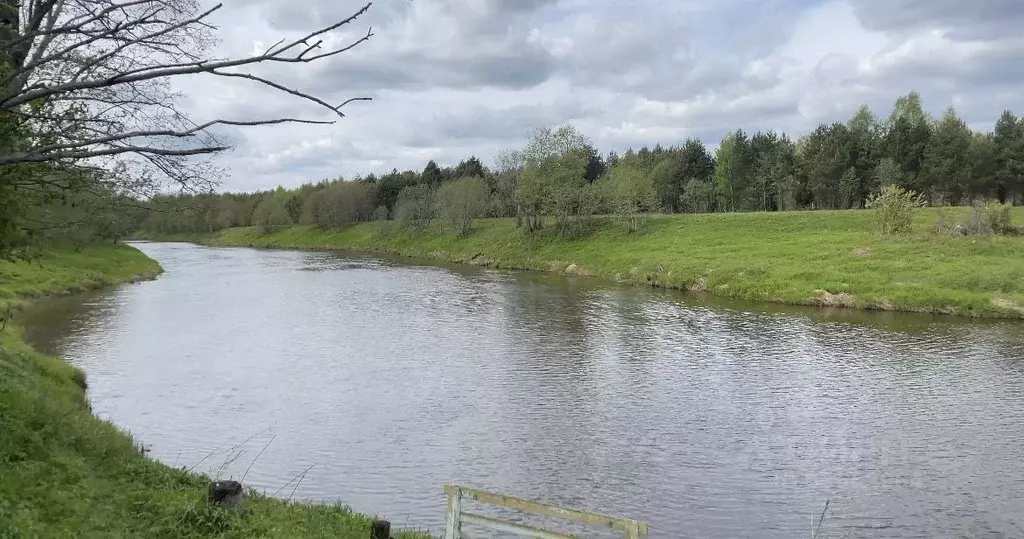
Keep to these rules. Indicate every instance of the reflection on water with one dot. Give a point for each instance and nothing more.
(706, 419)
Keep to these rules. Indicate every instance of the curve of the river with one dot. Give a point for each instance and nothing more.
(384, 380)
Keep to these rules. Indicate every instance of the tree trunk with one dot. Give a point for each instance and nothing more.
(11, 55)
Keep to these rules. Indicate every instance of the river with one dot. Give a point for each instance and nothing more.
(375, 381)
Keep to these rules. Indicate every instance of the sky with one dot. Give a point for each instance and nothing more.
(454, 78)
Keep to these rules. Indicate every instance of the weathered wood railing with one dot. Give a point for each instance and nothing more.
(456, 517)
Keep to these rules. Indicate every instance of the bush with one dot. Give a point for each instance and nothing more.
(415, 206)
(271, 215)
(985, 219)
(894, 209)
(461, 201)
(978, 224)
(945, 225)
(999, 217)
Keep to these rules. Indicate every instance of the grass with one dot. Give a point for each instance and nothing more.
(829, 258)
(63, 270)
(66, 473)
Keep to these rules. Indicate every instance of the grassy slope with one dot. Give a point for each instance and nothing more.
(792, 257)
(66, 473)
(66, 271)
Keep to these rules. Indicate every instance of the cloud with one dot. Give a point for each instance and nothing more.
(451, 78)
(975, 20)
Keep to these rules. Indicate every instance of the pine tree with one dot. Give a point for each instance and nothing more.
(865, 152)
(1009, 145)
(946, 168)
(432, 174)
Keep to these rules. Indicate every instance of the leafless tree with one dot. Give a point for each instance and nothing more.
(87, 83)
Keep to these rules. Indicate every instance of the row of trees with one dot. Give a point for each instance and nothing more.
(559, 176)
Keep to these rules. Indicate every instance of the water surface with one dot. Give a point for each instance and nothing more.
(374, 382)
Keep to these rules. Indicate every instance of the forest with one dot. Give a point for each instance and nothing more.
(559, 178)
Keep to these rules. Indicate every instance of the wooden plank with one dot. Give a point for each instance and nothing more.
(537, 508)
(508, 527)
(453, 522)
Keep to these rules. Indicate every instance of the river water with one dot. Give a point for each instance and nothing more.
(376, 381)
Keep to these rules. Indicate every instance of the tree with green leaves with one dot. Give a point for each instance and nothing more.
(340, 203)
(432, 174)
(866, 149)
(1009, 145)
(849, 188)
(697, 162)
(596, 167)
(461, 201)
(668, 178)
(697, 197)
(415, 206)
(293, 204)
(553, 180)
(773, 158)
(983, 166)
(730, 171)
(888, 172)
(271, 215)
(469, 168)
(909, 130)
(825, 157)
(508, 166)
(946, 167)
(910, 109)
(630, 193)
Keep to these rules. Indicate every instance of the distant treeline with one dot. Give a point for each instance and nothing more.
(560, 176)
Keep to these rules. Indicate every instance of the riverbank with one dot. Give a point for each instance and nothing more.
(824, 258)
(65, 472)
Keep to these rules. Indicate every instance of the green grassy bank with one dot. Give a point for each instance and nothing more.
(66, 473)
(829, 258)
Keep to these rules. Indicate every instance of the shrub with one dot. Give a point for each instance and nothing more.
(978, 224)
(461, 201)
(999, 217)
(415, 206)
(894, 209)
(945, 225)
(985, 219)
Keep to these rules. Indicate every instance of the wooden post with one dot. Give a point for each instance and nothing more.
(380, 529)
(453, 515)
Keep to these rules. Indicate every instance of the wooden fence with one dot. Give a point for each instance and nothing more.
(456, 517)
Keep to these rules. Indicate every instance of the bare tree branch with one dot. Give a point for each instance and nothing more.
(86, 154)
(202, 66)
(41, 153)
(89, 81)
